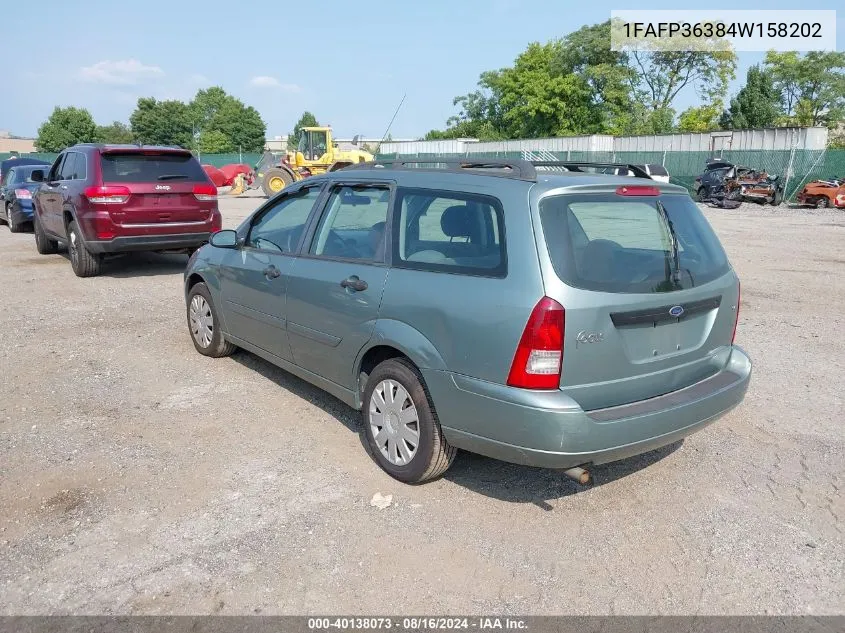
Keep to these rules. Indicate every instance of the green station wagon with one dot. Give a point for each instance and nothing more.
(539, 313)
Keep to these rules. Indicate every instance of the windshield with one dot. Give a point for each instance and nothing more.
(610, 243)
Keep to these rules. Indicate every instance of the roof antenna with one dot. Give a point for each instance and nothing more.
(387, 131)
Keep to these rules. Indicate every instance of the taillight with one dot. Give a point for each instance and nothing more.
(205, 192)
(539, 355)
(736, 320)
(637, 190)
(23, 194)
(109, 194)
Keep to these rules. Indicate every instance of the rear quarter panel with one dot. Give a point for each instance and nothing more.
(466, 324)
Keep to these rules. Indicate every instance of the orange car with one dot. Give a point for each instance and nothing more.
(824, 193)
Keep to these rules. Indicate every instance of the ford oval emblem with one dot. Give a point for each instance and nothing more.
(676, 311)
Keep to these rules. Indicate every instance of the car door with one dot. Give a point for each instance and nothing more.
(254, 277)
(335, 286)
(50, 199)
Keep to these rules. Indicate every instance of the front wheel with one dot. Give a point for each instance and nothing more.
(401, 427)
(204, 324)
(43, 244)
(274, 181)
(822, 202)
(83, 261)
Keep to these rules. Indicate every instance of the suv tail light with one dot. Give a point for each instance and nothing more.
(738, 300)
(539, 356)
(23, 194)
(109, 194)
(205, 192)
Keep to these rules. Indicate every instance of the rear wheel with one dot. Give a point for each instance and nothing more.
(14, 227)
(822, 202)
(204, 324)
(401, 425)
(43, 244)
(83, 262)
(274, 181)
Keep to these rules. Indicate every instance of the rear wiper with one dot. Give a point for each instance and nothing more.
(676, 261)
(172, 177)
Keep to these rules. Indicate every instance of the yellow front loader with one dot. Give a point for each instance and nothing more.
(316, 154)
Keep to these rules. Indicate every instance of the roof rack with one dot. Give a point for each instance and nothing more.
(500, 167)
(510, 168)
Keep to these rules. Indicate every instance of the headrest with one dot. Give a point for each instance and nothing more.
(455, 221)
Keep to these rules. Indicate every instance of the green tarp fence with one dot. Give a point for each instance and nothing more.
(796, 168)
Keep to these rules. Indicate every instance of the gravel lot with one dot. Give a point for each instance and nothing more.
(137, 476)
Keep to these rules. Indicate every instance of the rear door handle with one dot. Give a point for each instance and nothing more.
(354, 282)
(271, 272)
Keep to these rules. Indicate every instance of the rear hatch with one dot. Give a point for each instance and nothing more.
(650, 299)
(168, 190)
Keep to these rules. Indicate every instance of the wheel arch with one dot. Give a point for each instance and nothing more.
(392, 339)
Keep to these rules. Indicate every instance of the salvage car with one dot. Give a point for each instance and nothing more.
(823, 193)
(724, 180)
(550, 319)
(107, 199)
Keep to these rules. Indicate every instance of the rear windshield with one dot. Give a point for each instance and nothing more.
(658, 170)
(136, 167)
(608, 243)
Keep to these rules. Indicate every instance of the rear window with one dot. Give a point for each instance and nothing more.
(136, 167)
(608, 243)
(658, 170)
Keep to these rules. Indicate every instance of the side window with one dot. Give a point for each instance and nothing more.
(353, 224)
(79, 166)
(280, 227)
(70, 168)
(449, 231)
(55, 170)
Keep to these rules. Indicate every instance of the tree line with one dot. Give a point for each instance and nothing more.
(577, 85)
(213, 122)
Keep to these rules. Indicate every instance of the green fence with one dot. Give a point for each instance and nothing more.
(795, 167)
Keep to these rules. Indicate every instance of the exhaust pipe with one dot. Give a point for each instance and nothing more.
(578, 474)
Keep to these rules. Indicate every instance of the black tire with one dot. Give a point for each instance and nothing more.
(433, 455)
(269, 176)
(43, 244)
(84, 262)
(14, 227)
(822, 202)
(701, 194)
(218, 346)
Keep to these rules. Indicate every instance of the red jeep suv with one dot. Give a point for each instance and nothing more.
(102, 199)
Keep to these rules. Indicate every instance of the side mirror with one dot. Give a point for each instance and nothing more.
(37, 175)
(224, 239)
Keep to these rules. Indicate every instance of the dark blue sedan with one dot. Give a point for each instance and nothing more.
(16, 189)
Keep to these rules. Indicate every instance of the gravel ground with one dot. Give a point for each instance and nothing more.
(138, 477)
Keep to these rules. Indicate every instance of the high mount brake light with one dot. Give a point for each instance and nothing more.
(637, 190)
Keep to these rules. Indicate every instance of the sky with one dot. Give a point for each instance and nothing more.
(349, 63)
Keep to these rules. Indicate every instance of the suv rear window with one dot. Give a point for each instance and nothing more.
(657, 170)
(608, 243)
(137, 167)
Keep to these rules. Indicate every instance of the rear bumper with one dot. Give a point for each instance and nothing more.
(148, 243)
(549, 429)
